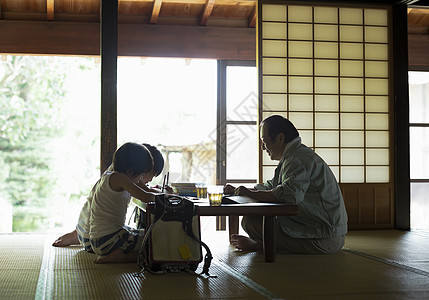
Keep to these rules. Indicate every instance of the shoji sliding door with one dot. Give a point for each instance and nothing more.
(327, 69)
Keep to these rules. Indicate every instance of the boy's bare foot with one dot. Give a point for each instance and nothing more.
(117, 256)
(245, 243)
(67, 240)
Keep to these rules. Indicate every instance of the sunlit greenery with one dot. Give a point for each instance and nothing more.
(36, 121)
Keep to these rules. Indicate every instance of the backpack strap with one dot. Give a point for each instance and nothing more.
(190, 211)
(142, 259)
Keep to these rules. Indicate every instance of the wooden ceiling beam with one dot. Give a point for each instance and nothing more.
(50, 8)
(155, 11)
(208, 7)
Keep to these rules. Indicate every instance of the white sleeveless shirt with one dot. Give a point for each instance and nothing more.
(107, 208)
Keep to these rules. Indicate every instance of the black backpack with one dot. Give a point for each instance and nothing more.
(172, 240)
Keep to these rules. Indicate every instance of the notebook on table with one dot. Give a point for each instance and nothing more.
(232, 199)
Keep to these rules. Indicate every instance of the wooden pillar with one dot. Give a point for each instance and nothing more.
(221, 123)
(401, 118)
(109, 54)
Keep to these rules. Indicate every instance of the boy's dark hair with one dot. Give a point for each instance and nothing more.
(134, 158)
(277, 124)
(158, 160)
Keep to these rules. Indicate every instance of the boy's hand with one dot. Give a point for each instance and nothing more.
(168, 189)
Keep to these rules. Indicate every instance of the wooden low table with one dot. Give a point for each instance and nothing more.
(267, 210)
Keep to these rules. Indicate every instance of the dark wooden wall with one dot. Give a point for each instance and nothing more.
(418, 49)
(61, 38)
(369, 206)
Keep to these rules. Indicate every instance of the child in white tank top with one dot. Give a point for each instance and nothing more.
(101, 227)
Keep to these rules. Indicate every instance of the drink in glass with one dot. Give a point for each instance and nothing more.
(215, 194)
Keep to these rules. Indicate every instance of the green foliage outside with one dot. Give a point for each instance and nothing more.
(39, 137)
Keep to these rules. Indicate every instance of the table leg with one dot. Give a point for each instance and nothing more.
(220, 223)
(233, 226)
(269, 236)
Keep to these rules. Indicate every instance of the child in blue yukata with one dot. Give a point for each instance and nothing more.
(101, 226)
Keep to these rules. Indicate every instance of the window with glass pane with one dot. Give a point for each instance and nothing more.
(419, 205)
(419, 97)
(419, 148)
(241, 117)
(171, 104)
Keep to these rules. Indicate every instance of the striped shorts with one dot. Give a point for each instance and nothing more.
(127, 239)
(83, 240)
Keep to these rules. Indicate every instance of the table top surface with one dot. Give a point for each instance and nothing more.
(239, 209)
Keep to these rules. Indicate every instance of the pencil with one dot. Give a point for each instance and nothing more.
(163, 184)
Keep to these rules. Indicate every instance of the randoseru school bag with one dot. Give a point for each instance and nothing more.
(172, 240)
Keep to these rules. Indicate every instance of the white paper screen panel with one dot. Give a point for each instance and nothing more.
(327, 70)
(299, 31)
(274, 31)
(329, 155)
(325, 14)
(351, 16)
(301, 102)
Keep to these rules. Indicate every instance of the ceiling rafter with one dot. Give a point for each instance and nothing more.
(252, 18)
(155, 11)
(208, 7)
(220, 2)
(50, 4)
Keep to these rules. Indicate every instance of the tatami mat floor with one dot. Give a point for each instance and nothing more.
(378, 264)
